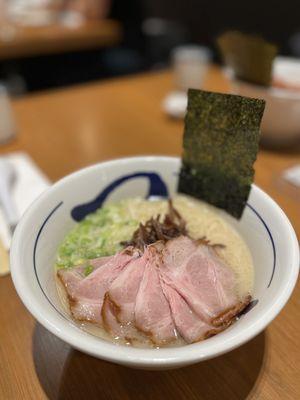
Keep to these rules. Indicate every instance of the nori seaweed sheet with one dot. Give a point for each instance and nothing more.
(220, 145)
(250, 56)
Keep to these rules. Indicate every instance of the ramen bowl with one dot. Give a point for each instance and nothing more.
(265, 228)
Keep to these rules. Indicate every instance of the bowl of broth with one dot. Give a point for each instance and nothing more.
(114, 261)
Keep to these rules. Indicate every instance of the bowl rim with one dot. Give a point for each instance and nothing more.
(167, 357)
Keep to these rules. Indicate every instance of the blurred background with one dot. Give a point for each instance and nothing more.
(53, 43)
(83, 81)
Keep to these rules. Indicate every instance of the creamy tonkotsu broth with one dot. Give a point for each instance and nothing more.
(202, 220)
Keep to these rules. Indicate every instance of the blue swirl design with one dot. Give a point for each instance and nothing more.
(157, 187)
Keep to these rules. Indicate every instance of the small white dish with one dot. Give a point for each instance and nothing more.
(264, 226)
(175, 104)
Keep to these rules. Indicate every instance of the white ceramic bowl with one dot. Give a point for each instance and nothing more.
(264, 226)
(281, 120)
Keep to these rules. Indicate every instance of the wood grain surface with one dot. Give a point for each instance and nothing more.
(53, 39)
(69, 129)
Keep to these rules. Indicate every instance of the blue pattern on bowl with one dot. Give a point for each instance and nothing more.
(157, 187)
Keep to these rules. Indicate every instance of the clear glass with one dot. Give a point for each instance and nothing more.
(190, 65)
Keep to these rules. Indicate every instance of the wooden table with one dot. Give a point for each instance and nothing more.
(58, 38)
(66, 130)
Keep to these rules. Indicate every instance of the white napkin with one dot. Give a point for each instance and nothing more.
(30, 182)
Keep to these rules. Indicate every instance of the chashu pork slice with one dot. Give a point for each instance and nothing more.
(71, 277)
(188, 324)
(86, 297)
(119, 302)
(203, 280)
(152, 311)
(124, 289)
(125, 331)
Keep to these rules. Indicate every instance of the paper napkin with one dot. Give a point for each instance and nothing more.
(30, 182)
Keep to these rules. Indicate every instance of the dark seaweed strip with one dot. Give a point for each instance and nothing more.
(220, 145)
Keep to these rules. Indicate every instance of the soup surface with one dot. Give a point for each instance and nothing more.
(101, 233)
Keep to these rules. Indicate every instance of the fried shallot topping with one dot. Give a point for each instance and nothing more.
(173, 225)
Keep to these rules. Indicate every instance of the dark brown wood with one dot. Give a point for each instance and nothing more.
(53, 39)
(66, 130)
